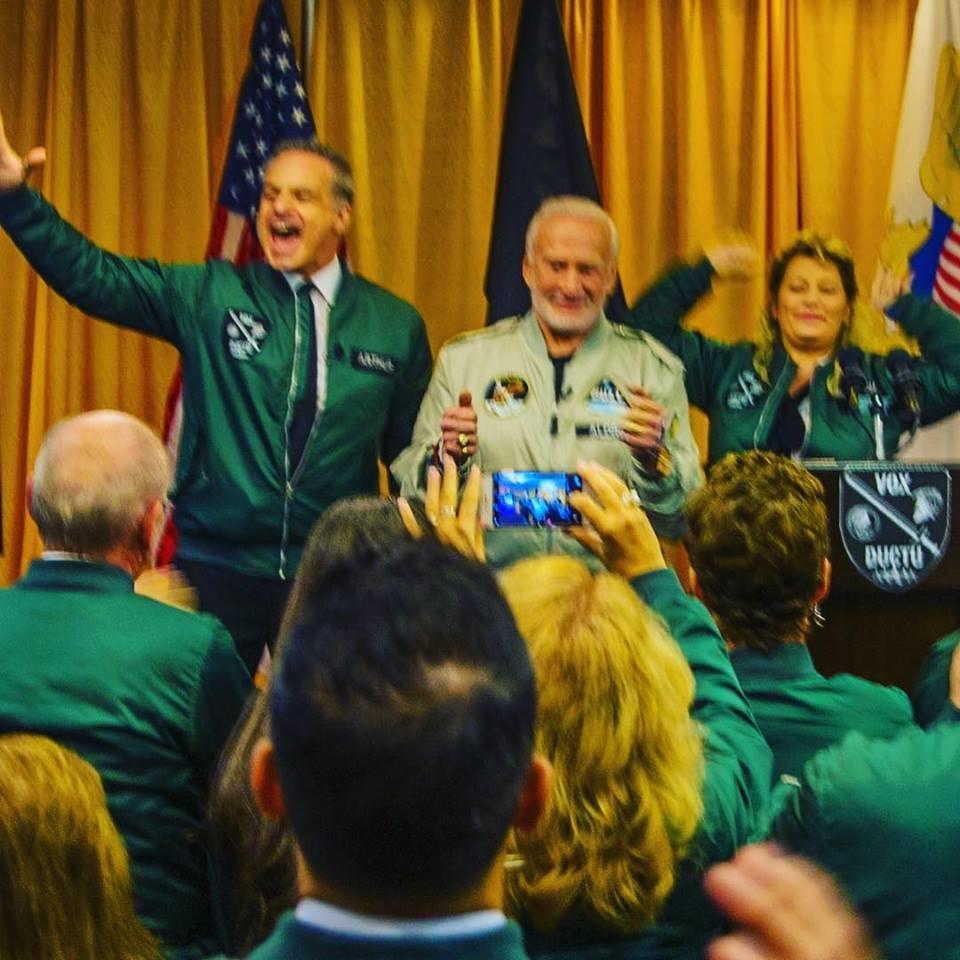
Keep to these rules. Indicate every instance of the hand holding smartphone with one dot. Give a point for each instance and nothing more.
(529, 498)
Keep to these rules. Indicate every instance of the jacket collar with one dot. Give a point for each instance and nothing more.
(81, 575)
(789, 661)
(533, 336)
(277, 281)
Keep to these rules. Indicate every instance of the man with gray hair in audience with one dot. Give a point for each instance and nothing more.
(145, 692)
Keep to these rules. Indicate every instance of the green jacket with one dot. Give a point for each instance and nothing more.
(735, 791)
(721, 380)
(294, 940)
(240, 503)
(147, 694)
(931, 692)
(800, 712)
(883, 818)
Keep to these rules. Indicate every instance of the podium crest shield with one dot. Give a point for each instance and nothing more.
(895, 521)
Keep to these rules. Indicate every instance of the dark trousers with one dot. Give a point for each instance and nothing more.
(249, 607)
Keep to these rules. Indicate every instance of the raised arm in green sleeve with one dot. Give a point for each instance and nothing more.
(738, 760)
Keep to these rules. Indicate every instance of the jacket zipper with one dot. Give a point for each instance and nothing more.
(288, 419)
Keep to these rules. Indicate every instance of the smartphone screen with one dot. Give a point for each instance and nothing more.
(533, 498)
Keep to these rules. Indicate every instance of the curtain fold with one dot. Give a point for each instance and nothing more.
(703, 115)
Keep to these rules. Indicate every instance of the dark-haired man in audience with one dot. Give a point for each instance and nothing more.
(145, 692)
(402, 716)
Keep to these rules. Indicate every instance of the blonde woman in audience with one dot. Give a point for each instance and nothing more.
(659, 766)
(65, 889)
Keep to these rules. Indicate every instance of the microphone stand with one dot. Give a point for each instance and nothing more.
(876, 405)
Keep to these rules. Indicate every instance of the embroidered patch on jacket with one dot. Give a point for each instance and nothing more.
(243, 333)
(506, 395)
(374, 362)
(605, 397)
(744, 391)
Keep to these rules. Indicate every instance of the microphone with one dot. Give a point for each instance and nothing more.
(853, 380)
(903, 371)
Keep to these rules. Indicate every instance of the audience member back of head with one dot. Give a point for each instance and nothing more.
(65, 882)
(401, 719)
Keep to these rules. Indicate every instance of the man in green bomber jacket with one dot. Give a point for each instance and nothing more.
(291, 392)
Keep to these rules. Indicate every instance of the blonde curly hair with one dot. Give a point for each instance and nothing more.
(613, 718)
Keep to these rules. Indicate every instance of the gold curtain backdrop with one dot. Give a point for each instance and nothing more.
(702, 115)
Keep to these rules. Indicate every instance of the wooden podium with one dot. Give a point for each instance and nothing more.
(875, 634)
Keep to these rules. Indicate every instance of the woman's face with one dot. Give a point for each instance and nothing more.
(811, 306)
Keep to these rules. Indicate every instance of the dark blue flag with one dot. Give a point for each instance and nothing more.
(543, 152)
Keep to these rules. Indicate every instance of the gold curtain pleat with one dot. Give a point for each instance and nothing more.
(702, 115)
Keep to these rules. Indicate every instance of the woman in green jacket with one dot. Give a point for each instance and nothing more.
(659, 767)
(786, 392)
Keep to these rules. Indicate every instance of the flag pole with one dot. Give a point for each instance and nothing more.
(308, 12)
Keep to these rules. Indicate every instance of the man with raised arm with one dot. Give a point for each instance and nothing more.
(298, 374)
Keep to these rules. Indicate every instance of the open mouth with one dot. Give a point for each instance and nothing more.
(284, 237)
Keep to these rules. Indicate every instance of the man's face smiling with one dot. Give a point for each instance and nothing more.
(299, 224)
(570, 272)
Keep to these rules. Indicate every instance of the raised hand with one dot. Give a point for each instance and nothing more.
(736, 259)
(619, 532)
(15, 169)
(887, 287)
(786, 908)
(458, 527)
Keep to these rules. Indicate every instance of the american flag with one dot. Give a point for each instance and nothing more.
(946, 284)
(272, 107)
